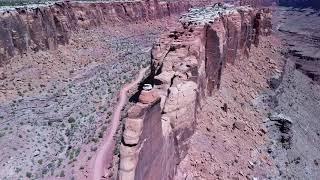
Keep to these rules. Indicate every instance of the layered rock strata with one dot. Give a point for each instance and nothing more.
(31, 28)
(186, 68)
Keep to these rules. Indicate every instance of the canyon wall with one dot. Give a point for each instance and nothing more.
(25, 29)
(44, 27)
(300, 3)
(291, 3)
(186, 68)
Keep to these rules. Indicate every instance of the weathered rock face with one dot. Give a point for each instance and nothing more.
(46, 27)
(186, 68)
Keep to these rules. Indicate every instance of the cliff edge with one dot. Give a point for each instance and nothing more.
(187, 65)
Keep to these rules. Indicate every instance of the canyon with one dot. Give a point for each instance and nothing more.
(46, 27)
(187, 68)
(160, 90)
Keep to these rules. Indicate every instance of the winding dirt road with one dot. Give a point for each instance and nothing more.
(101, 158)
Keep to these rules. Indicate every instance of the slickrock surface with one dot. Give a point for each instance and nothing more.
(188, 69)
(210, 14)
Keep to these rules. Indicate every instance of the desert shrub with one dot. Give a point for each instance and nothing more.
(29, 174)
(71, 120)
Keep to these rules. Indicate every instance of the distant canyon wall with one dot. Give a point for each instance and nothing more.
(300, 3)
(187, 65)
(290, 3)
(27, 29)
(30, 29)
(258, 3)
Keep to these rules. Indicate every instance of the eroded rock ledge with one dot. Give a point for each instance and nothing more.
(25, 29)
(186, 68)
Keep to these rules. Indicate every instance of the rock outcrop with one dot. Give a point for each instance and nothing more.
(25, 29)
(186, 68)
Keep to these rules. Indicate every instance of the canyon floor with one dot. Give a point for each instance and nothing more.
(57, 105)
(296, 97)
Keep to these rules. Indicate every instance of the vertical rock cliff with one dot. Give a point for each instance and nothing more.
(25, 29)
(186, 68)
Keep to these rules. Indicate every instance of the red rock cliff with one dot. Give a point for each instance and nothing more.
(46, 27)
(186, 66)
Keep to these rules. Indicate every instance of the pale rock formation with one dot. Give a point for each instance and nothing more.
(133, 130)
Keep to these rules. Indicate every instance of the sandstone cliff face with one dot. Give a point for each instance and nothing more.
(186, 68)
(45, 27)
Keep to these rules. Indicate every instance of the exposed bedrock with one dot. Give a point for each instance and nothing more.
(27, 29)
(186, 68)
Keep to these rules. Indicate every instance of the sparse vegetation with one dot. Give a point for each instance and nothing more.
(63, 112)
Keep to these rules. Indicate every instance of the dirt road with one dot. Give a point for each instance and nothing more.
(100, 161)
